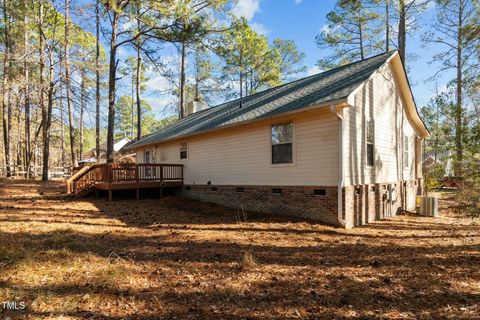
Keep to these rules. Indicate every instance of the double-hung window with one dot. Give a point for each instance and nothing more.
(149, 156)
(183, 150)
(406, 151)
(282, 143)
(370, 141)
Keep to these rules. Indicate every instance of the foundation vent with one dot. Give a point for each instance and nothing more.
(320, 192)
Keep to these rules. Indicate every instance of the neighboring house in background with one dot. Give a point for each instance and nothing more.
(444, 158)
(342, 147)
(118, 148)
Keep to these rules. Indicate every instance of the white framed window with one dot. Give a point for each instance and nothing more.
(370, 143)
(149, 156)
(406, 151)
(282, 143)
(183, 151)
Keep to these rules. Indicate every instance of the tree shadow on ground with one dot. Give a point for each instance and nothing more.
(164, 260)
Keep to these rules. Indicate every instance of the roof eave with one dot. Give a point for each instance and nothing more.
(341, 102)
(406, 90)
(409, 100)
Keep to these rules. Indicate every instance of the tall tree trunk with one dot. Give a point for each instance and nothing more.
(48, 121)
(68, 87)
(459, 110)
(251, 81)
(196, 95)
(182, 80)
(19, 146)
(97, 81)
(6, 113)
(241, 74)
(137, 88)
(111, 87)
(387, 25)
(62, 134)
(27, 97)
(360, 35)
(132, 105)
(82, 110)
(402, 41)
(41, 54)
(138, 78)
(62, 111)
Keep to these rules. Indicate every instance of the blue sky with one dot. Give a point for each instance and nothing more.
(301, 21)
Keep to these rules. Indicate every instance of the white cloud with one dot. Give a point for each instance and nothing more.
(162, 106)
(260, 28)
(158, 91)
(157, 83)
(246, 8)
(122, 53)
(325, 28)
(313, 70)
(129, 24)
(298, 1)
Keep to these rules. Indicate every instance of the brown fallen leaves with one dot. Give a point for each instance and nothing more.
(180, 259)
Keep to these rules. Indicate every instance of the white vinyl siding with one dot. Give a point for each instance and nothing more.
(242, 155)
(378, 99)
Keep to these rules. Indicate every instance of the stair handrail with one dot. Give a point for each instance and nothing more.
(74, 178)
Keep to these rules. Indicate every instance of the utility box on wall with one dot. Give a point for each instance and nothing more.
(427, 206)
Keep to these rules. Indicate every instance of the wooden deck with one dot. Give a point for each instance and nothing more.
(115, 176)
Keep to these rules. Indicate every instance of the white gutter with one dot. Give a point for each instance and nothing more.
(341, 172)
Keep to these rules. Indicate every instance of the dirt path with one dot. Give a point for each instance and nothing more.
(179, 259)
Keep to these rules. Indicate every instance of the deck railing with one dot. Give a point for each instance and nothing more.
(85, 178)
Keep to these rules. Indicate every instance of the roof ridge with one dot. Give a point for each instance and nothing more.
(330, 85)
(307, 77)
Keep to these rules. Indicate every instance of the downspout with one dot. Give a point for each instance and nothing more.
(341, 172)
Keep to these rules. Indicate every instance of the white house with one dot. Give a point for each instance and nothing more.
(342, 147)
(118, 148)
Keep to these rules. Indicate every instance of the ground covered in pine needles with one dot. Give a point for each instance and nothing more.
(179, 259)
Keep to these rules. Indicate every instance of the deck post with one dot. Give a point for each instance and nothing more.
(138, 194)
(161, 192)
(110, 194)
(96, 193)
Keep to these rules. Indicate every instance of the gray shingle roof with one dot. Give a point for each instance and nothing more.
(332, 85)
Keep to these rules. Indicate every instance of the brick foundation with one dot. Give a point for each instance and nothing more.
(367, 203)
(361, 204)
(300, 201)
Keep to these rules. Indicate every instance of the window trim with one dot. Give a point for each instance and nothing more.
(294, 149)
(406, 151)
(153, 151)
(367, 121)
(180, 151)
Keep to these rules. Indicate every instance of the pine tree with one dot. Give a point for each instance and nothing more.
(458, 54)
(351, 31)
